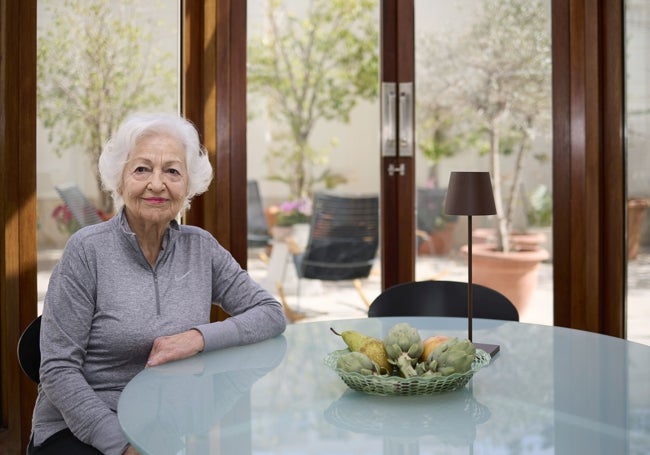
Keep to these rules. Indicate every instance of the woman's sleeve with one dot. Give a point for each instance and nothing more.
(255, 314)
(67, 317)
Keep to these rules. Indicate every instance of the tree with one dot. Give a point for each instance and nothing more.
(312, 68)
(498, 78)
(96, 65)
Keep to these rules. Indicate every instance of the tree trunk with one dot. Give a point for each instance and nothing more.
(495, 164)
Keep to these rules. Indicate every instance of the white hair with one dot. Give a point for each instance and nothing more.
(118, 149)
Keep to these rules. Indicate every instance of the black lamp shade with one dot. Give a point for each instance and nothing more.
(470, 193)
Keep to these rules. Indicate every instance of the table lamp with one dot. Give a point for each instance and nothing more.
(470, 194)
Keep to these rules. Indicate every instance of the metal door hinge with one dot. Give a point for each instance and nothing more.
(392, 169)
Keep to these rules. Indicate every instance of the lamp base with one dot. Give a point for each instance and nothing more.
(491, 349)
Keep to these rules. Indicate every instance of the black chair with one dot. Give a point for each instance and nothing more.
(258, 229)
(343, 239)
(29, 350)
(442, 298)
(430, 213)
(84, 212)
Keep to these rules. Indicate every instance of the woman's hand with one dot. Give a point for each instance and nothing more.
(175, 347)
(131, 451)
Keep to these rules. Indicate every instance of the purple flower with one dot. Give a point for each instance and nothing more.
(295, 211)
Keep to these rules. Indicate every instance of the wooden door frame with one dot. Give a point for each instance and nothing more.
(18, 290)
(589, 190)
(397, 190)
(213, 88)
(213, 94)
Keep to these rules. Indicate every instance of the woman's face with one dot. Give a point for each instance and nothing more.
(154, 180)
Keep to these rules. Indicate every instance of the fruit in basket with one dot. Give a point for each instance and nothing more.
(404, 347)
(370, 346)
(356, 362)
(427, 369)
(453, 356)
(430, 344)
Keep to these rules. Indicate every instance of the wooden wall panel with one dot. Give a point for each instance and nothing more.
(214, 98)
(588, 166)
(18, 295)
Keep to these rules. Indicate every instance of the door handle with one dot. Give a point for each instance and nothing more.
(388, 119)
(405, 119)
(397, 119)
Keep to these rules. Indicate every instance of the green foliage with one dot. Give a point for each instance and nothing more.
(96, 64)
(490, 92)
(311, 68)
(540, 209)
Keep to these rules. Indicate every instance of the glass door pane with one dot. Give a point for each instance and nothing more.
(637, 104)
(127, 61)
(313, 126)
(483, 103)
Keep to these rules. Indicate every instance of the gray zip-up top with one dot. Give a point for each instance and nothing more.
(105, 305)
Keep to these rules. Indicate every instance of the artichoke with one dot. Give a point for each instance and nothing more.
(453, 356)
(427, 368)
(404, 347)
(357, 362)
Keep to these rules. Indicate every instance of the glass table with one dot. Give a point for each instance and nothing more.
(549, 390)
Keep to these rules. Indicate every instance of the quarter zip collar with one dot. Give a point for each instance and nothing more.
(171, 234)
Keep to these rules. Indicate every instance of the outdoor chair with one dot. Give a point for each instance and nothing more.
(29, 350)
(343, 240)
(430, 217)
(84, 212)
(442, 298)
(258, 229)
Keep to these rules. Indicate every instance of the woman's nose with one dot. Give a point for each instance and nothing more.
(156, 182)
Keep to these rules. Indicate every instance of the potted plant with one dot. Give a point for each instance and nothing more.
(289, 214)
(65, 221)
(497, 79)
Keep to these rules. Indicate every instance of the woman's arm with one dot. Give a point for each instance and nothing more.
(175, 347)
(255, 315)
(65, 329)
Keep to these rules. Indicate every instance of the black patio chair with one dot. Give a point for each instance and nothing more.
(343, 239)
(442, 298)
(258, 229)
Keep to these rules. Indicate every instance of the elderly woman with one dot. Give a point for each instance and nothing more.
(136, 290)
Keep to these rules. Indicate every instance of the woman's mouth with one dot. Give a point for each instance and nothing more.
(155, 200)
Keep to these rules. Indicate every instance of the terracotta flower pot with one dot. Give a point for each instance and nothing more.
(519, 241)
(440, 241)
(514, 274)
(636, 208)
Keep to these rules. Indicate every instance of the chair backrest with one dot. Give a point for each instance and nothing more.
(442, 298)
(258, 229)
(343, 237)
(430, 205)
(29, 350)
(84, 212)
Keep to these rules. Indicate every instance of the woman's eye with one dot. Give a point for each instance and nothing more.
(173, 171)
(141, 170)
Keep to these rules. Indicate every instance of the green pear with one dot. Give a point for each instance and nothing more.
(370, 346)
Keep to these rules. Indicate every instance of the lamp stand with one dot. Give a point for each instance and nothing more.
(491, 349)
